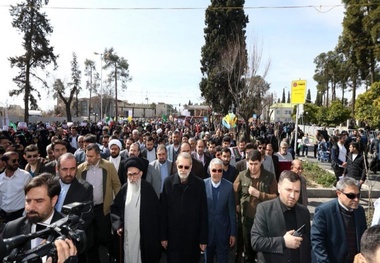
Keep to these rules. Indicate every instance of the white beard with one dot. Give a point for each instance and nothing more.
(133, 189)
(183, 176)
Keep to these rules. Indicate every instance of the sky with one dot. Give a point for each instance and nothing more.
(162, 42)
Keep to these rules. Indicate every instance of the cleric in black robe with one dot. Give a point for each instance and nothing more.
(148, 214)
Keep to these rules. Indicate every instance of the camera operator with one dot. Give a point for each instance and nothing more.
(41, 195)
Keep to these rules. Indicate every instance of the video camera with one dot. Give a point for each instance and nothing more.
(67, 227)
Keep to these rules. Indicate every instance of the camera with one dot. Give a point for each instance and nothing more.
(67, 227)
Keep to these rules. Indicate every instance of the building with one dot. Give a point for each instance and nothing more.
(281, 112)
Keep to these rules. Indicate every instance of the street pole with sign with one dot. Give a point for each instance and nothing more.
(298, 96)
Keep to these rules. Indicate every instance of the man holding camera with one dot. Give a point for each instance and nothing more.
(41, 195)
(281, 229)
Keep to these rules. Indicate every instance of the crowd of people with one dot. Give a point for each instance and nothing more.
(162, 192)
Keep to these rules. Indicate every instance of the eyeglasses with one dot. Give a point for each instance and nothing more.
(183, 167)
(132, 174)
(32, 156)
(260, 148)
(299, 168)
(14, 161)
(352, 195)
(216, 170)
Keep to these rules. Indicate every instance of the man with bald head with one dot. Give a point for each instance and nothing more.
(297, 167)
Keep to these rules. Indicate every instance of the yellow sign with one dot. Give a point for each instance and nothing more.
(298, 93)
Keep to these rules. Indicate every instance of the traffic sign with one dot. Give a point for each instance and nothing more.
(298, 93)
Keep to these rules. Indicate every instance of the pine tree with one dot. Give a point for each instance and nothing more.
(35, 28)
(225, 22)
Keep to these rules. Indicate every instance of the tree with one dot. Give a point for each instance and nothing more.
(288, 100)
(283, 96)
(249, 93)
(35, 28)
(225, 22)
(88, 71)
(119, 70)
(75, 81)
(308, 96)
(368, 106)
(59, 91)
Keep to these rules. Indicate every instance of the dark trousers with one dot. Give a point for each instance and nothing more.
(239, 240)
(315, 150)
(249, 253)
(99, 234)
(338, 172)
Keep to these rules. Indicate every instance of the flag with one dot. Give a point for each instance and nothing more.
(12, 125)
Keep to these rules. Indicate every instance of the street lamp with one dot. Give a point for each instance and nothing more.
(101, 84)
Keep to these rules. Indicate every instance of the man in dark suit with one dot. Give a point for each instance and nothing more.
(41, 195)
(73, 189)
(201, 156)
(158, 170)
(59, 147)
(196, 168)
(273, 232)
(221, 214)
(355, 166)
(242, 165)
(338, 225)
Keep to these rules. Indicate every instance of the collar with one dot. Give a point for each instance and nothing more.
(344, 207)
(215, 185)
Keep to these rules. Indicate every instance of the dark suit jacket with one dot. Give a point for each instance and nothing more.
(222, 217)
(328, 235)
(241, 165)
(276, 166)
(81, 191)
(50, 167)
(269, 228)
(196, 169)
(22, 226)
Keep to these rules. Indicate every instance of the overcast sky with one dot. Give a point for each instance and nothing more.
(162, 42)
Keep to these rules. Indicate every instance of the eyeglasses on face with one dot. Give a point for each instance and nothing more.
(352, 195)
(132, 174)
(216, 170)
(32, 156)
(183, 167)
(13, 160)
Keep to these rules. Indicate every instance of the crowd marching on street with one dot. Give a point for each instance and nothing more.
(183, 192)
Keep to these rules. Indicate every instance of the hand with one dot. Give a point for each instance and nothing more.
(238, 209)
(232, 241)
(120, 231)
(361, 182)
(203, 246)
(292, 241)
(344, 164)
(164, 244)
(65, 249)
(253, 191)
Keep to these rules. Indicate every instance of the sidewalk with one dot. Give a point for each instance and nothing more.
(372, 183)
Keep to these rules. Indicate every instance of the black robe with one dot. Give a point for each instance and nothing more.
(149, 222)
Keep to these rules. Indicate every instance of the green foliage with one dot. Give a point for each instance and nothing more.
(314, 173)
(34, 27)
(118, 71)
(368, 106)
(225, 22)
(333, 115)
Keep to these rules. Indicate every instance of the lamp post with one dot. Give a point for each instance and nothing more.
(101, 84)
